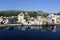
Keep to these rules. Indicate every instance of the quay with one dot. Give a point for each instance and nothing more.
(12, 25)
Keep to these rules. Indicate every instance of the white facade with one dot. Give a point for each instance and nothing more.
(36, 22)
(32, 22)
(20, 17)
(6, 21)
(1, 19)
(50, 17)
(54, 18)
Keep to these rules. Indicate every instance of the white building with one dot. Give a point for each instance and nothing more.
(1, 19)
(6, 21)
(50, 17)
(36, 22)
(20, 17)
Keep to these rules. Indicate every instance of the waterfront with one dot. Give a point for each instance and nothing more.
(28, 34)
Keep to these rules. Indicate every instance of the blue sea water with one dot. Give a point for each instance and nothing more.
(28, 34)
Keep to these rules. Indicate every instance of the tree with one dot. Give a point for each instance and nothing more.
(58, 13)
(16, 12)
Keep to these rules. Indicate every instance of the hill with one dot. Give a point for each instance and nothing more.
(16, 12)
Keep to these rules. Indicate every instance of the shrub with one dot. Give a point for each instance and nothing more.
(1, 23)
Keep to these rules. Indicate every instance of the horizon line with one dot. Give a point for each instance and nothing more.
(28, 10)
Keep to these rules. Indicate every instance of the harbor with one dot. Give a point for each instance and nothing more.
(4, 25)
(22, 20)
(29, 19)
(24, 27)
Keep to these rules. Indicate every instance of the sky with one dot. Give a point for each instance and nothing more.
(50, 6)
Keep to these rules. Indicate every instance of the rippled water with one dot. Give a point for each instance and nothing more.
(28, 34)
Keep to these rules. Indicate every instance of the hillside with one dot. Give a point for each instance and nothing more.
(16, 12)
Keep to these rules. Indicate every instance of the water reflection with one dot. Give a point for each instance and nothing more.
(28, 32)
(10, 28)
(24, 28)
(1, 28)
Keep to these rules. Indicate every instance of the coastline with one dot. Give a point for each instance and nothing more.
(5, 25)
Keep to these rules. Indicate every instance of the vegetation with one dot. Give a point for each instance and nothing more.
(58, 13)
(16, 12)
(1, 23)
(30, 13)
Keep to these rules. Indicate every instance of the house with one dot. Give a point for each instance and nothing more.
(9, 20)
(36, 21)
(51, 17)
(41, 18)
(20, 17)
(57, 15)
(1, 19)
(58, 18)
(32, 19)
(5, 20)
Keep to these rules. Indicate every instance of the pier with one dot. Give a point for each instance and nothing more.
(12, 25)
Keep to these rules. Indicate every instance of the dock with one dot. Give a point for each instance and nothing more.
(12, 25)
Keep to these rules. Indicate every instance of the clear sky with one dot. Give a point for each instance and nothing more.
(31, 5)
